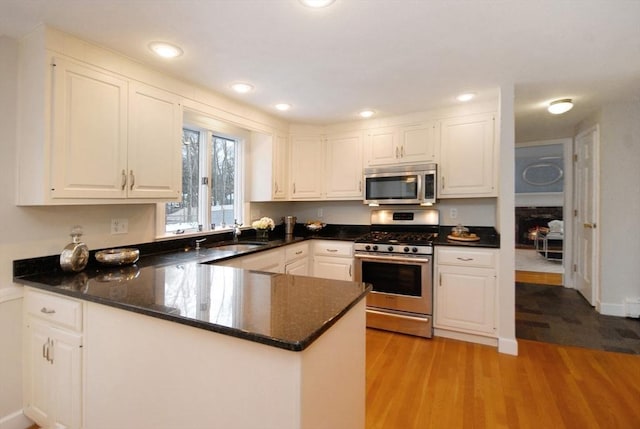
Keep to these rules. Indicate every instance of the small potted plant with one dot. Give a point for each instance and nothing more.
(262, 227)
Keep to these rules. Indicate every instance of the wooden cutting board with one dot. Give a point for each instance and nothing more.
(452, 237)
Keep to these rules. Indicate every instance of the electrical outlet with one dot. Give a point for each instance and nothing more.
(119, 226)
(453, 213)
(320, 212)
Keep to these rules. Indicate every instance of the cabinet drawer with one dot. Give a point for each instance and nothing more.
(62, 311)
(333, 248)
(296, 251)
(467, 257)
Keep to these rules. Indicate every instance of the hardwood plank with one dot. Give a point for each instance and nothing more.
(551, 279)
(441, 383)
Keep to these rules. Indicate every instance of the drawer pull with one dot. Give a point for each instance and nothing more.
(299, 252)
(332, 250)
(45, 310)
(465, 259)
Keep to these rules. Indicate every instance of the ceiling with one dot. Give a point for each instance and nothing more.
(392, 56)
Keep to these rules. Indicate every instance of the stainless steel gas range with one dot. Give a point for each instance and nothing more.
(396, 257)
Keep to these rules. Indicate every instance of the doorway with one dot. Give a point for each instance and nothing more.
(542, 195)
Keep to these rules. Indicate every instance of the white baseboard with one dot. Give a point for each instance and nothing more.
(15, 420)
(609, 309)
(462, 336)
(508, 346)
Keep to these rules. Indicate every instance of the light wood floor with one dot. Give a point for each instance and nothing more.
(441, 383)
(551, 279)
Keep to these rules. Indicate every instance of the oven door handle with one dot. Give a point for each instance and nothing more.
(421, 259)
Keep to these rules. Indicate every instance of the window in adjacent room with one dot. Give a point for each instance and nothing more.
(211, 183)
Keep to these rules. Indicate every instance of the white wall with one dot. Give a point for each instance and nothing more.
(619, 203)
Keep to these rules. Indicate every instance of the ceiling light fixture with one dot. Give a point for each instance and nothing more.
(467, 96)
(242, 87)
(367, 113)
(317, 4)
(283, 107)
(165, 50)
(559, 107)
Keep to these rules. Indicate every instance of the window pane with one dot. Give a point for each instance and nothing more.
(223, 166)
(184, 214)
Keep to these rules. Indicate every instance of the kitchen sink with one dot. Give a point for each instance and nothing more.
(239, 247)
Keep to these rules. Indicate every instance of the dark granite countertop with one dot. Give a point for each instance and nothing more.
(173, 281)
(279, 310)
(489, 237)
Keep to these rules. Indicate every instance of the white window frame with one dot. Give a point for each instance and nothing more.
(204, 204)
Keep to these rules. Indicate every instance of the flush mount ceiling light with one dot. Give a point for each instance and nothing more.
(317, 4)
(467, 96)
(283, 107)
(558, 107)
(242, 87)
(165, 50)
(367, 113)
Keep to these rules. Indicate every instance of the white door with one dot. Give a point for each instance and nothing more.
(586, 212)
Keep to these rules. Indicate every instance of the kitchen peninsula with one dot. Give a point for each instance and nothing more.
(197, 345)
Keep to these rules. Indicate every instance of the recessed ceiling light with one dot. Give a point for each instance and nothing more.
(367, 113)
(242, 87)
(165, 50)
(558, 107)
(467, 96)
(283, 107)
(317, 3)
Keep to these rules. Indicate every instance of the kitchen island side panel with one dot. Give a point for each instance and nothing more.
(146, 372)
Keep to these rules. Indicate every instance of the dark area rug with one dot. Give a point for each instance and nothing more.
(559, 315)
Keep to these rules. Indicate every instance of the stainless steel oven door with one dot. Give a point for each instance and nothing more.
(399, 283)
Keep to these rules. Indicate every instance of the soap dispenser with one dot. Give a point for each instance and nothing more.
(75, 255)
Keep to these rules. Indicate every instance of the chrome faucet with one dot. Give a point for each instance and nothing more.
(202, 240)
(236, 230)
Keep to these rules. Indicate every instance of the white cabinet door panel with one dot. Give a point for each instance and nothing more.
(89, 132)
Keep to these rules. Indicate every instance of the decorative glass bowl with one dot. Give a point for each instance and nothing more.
(123, 256)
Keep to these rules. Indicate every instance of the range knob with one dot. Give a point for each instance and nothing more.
(367, 247)
(406, 249)
(414, 250)
(375, 247)
(390, 248)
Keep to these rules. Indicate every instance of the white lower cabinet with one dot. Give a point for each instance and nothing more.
(297, 259)
(465, 290)
(333, 259)
(271, 261)
(52, 379)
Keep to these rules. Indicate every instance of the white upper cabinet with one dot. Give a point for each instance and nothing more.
(280, 167)
(268, 161)
(306, 167)
(91, 136)
(155, 149)
(88, 133)
(383, 146)
(408, 144)
(419, 142)
(343, 169)
(468, 157)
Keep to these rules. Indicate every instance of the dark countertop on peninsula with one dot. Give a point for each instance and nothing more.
(279, 310)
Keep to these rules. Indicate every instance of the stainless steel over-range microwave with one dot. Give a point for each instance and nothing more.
(401, 184)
